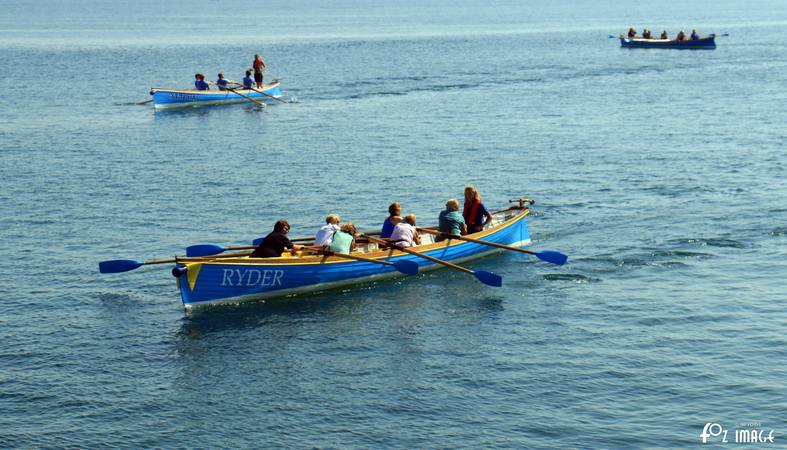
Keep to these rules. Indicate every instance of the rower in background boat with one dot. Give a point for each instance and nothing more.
(475, 213)
(450, 221)
(694, 35)
(394, 209)
(664, 35)
(646, 34)
(632, 32)
(681, 35)
(221, 82)
(247, 81)
(200, 83)
(274, 244)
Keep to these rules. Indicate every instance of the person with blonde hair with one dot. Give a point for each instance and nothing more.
(450, 221)
(394, 209)
(405, 234)
(475, 213)
(344, 239)
(326, 232)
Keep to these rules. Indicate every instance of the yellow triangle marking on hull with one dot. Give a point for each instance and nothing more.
(193, 273)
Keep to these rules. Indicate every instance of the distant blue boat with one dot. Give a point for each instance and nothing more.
(704, 42)
(178, 98)
(213, 281)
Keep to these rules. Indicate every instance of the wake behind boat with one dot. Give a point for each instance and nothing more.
(234, 278)
(164, 98)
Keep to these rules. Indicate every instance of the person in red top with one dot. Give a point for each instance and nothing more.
(475, 213)
(259, 66)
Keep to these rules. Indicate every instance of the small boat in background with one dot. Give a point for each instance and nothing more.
(703, 42)
(178, 98)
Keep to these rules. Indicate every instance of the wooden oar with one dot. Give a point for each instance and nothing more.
(125, 265)
(244, 96)
(550, 256)
(213, 249)
(488, 278)
(403, 266)
(258, 241)
(261, 92)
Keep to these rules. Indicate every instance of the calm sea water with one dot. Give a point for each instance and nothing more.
(661, 173)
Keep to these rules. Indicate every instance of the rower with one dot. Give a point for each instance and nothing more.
(331, 227)
(394, 209)
(632, 32)
(344, 240)
(200, 83)
(247, 81)
(276, 242)
(450, 220)
(221, 82)
(681, 35)
(405, 234)
(664, 35)
(694, 35)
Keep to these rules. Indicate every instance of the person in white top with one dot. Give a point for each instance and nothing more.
(325, 235)
(404, 233)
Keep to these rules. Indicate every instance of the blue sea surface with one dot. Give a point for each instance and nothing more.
(662, 174)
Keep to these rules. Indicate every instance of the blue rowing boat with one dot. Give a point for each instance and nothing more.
(704, 42)
(178, 98)
(209, 281)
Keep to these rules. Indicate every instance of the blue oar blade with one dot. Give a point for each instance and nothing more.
(118, 265)
(257, 241)
(553, 257)
(204, 249)
(406, 267)
(488, 278)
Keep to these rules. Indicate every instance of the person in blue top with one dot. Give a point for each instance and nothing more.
(393, 218)
(451, 221)
(221, 82)
(694, 35)
(200, 83)
(247, 81)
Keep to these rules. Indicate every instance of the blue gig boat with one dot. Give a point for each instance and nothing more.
(178, 98)
(704, 42)
(207, 281)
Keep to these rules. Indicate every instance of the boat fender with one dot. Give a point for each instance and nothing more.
(178, 271)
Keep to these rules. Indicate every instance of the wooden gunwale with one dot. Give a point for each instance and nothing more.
(377, 254)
